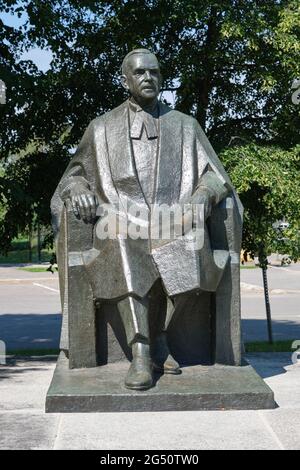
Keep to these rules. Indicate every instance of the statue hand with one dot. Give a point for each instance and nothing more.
(84, 204)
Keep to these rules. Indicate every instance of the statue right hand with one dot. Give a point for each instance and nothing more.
(84, 204)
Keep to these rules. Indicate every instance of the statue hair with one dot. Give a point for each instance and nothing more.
(134, 51)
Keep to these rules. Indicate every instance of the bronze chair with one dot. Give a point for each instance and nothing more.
(212, 324)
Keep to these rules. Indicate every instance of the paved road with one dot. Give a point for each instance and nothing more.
(30, 306)
(29, 309)
(284, 285)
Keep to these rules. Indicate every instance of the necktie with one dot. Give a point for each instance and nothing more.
(143, 119)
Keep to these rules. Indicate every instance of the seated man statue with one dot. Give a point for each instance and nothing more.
(147, 156)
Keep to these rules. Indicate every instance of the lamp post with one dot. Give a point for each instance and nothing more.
(263, 262)
(267, 302)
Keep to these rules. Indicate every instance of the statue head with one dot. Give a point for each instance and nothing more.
(141, 76)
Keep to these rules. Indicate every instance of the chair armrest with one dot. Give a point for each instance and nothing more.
(225, 226)
(79, 233)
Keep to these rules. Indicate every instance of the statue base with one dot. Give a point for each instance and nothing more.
(101, 389)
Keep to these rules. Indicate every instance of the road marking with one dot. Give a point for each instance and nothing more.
(45, 287)
(287, 270)
(246, 286)
(285, 291)
(26, 280)
(254, 287)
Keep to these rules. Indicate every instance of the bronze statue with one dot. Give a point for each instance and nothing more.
(145, 155)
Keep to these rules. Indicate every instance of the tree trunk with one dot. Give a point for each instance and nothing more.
(30, 244)
(268, 306)
(39, 242)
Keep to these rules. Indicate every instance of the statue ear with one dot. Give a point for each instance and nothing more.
(124, 82)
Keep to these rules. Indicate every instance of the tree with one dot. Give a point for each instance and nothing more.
(19, 79)
(267, 179)
(229, 63)
(30, 181)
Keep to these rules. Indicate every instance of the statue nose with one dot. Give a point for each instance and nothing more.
(147, 75)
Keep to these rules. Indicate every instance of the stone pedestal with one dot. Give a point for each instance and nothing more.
(101, 389)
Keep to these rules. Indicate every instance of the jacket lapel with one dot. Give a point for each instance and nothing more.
(169, 161)
(121, 158)
(169, 158)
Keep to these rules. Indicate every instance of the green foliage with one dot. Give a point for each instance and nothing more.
(30, 181)
(24, 256)
(263, 346)
(20, 252)
(34, 270)
(267, 179)
(230, 64)
(32, 353)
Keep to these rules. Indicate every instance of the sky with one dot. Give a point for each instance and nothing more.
(40, 57)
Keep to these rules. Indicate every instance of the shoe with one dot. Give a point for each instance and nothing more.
(170, 366)
(139, 375)
(162, 359)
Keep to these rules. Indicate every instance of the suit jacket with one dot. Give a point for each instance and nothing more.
(104, 163)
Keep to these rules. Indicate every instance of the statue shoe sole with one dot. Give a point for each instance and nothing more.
(138, 381)
(167, 370)
(138, 386)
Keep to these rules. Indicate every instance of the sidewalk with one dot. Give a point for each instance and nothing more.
(24, 425)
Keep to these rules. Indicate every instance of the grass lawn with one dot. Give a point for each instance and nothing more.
(265, 346)
(33, 352)
(19, 253)
(41, 269)
(22, 256)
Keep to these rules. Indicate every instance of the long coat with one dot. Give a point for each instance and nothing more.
(104, 163)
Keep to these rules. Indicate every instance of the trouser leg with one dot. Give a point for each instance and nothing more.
(163, 309)
(134, 315)
(170, 310)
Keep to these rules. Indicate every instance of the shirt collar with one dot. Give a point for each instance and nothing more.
(135, 107)
(143, 118)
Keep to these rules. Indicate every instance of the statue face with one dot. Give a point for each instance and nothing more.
(142, 78)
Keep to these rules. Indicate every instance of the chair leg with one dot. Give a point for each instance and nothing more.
(227, 318)
(82, 320)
